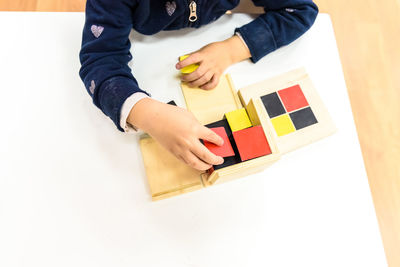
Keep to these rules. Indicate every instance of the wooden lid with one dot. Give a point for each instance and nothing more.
(292, 108)
(210, 105)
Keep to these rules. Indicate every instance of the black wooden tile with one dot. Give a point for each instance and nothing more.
(273, 105)
(172, 102)
(303, 118)
(228, 161)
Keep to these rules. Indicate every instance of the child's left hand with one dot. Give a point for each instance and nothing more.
(213, 59)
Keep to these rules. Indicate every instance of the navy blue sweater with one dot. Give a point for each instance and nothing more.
(105, 51)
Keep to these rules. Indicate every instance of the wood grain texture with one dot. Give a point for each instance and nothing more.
(43, 5)
(167, 176)
(367, 34)
(221, 100)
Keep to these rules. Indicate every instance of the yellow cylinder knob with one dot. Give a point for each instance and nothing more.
(190, 68)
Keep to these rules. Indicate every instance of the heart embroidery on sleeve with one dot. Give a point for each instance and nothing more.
(170, 7)
(97, 30)
(92, 87)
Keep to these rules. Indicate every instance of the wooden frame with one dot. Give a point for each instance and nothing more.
(253, 165)
(302, 137)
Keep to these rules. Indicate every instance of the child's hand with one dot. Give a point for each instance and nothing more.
(178, 131)
(213, 59)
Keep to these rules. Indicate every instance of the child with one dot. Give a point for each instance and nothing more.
(109, 81)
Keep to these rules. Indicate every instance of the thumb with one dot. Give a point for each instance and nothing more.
(188, 60)
(210, 136)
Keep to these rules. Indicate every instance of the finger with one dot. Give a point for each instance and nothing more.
(211, 136)
(206, 155)
(212, 83)
(194, 162)
(191, 59)
(190, 77)
(202, 80)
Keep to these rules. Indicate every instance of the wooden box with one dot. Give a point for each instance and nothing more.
(290, 118)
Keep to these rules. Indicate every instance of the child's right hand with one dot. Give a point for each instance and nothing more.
(178, 131)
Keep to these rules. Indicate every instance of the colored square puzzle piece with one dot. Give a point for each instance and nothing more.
(172, 102)
(238, 119)
(228, 161)
(283, 125)
(226, 149)
(252, 143)
(293, 98)
(190, 68)
(273, 105)
(303, 118)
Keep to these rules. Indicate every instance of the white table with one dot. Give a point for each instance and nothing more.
(73, 190)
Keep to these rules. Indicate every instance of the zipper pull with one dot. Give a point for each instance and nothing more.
(193, 14)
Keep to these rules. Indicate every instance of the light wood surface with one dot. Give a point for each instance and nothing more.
(167, 176)
(222, 100)
(42, 5)
(367, 34)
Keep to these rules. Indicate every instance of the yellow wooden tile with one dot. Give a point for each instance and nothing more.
(238, 119)
(190, 68)
(283, 125)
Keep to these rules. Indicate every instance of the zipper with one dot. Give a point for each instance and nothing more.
(193, 11)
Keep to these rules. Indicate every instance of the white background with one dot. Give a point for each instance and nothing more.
(73, 190)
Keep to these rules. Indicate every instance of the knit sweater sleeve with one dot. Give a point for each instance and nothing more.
(105, 54)
(282, 23)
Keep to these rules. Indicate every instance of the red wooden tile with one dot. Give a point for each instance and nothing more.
(226, 149)
(293, 98)
(251, 143)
